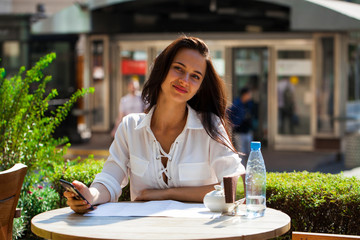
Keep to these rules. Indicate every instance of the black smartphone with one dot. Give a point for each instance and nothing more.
(71, 188)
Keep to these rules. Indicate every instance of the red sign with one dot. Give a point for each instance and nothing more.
(133, 67)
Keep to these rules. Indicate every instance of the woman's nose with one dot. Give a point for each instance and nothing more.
(185, 77)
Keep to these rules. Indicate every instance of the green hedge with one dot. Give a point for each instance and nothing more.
(83, 171)
(316, 202)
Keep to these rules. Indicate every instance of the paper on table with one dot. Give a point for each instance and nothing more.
(166, 208)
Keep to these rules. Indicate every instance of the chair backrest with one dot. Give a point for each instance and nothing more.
(11, 181)
(321, 236)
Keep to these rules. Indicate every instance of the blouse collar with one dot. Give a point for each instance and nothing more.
(193, 119)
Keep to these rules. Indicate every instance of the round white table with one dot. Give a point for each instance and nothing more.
(63, 223)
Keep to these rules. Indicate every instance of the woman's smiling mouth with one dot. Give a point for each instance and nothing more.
(180, 89)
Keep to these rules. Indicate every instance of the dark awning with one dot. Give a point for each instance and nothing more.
(125, 16)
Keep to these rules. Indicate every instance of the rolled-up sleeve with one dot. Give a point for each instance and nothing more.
(224, 161)
(114, 175)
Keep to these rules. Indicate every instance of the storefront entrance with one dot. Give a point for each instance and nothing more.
(280, 75)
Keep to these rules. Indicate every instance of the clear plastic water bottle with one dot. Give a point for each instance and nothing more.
(255, 181)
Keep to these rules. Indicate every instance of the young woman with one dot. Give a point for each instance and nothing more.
(179, 149)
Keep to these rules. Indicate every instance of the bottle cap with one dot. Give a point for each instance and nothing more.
(255, 145)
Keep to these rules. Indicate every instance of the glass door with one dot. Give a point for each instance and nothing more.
(294, 99)
(250, 71)
(133, 67)
(99, 75)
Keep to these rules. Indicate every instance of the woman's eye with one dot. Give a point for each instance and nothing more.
(177, 68)
(196, 77)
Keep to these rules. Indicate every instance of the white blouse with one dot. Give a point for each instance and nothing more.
(194, 159)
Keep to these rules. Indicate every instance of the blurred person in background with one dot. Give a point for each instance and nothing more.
(286, 105)
(242, 116)
(130, 103)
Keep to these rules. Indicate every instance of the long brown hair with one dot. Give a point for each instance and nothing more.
(210, 98)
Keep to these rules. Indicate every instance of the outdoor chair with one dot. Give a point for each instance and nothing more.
(321, 236)
(11, 181)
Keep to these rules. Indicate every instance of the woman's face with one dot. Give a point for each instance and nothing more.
(185, 76)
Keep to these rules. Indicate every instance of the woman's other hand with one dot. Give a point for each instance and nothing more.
(152, 194)
(79, 206)
(183, 194)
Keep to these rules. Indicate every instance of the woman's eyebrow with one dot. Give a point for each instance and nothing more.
(185, 66)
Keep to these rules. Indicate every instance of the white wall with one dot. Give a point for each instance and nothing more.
(5, 6)
(29, 6)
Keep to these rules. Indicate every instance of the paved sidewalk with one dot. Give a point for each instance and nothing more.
(276, 161)
(315, 161)
(353, 172)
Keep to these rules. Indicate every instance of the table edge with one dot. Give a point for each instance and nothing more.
(61, 236)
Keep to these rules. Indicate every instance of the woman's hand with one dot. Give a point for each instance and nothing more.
(79, 206)
(152, 194)
(184, 194)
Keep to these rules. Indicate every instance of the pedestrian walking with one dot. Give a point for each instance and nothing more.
(242, 116)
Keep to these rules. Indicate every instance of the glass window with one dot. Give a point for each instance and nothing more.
(247, 67)
(325, 87)
(10, 57)
(218, 62)
(98, 76)
(354, 72)
(61, 69)
(250, 70)
(294, 72)
(353, 104)
(133, 67)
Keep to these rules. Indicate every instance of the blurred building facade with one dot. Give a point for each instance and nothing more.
(20, 47)
(313, 45)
